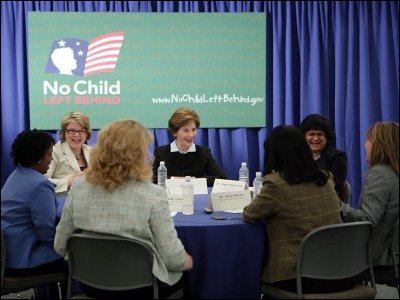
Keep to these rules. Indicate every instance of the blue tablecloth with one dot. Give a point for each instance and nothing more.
(228, 255)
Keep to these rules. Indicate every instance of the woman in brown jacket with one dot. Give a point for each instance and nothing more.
(296, 198)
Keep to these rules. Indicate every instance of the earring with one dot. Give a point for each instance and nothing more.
(39, 162)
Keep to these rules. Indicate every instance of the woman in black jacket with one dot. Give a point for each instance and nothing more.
(183, 157)
(320, 137)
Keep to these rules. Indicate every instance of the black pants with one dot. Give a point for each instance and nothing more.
(51, 291)
(164, 290)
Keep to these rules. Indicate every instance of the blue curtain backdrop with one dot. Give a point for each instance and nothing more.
(339, 59)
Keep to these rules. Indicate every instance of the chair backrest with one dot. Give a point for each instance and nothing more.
(110, 263)
(336, 251)
(346, 192)
(3, 258)
(395, 249)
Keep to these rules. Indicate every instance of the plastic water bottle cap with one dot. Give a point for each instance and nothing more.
(162, 163)
(258, 174)
(187, 178)
(243, 164)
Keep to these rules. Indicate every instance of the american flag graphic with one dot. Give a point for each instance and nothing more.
(72, 56)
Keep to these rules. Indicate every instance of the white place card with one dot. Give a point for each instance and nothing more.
(224, 185)
(233, 201)
(175, 202)
(174, 186)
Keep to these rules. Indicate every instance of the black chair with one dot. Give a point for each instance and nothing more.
(332, 252)
(17, 284)
(110, 263)
(346, 192)
(389, 274)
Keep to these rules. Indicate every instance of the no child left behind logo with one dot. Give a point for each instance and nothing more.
(76, 57)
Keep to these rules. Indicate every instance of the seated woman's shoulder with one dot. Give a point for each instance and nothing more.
(162, 148)
(332, 151)
(273, 178)
(384, 170)
(148, 187)
(89, 147)
(203, 148)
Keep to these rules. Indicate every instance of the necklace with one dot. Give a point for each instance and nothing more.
(78, 157)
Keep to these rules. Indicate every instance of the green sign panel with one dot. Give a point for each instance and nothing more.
(144, 66)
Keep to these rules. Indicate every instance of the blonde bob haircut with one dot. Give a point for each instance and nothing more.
(384, 138)
(79, 118)
(120, 155)
(180, 118)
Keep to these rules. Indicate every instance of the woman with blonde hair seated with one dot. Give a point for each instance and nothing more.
(70, 154)
(115, 196)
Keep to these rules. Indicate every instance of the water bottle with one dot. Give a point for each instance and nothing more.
(257, 184)
(244, 174)
(161, 174)
(188, 199)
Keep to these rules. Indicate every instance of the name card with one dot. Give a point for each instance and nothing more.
(233, 201)
(174, 186)
(224, 185)
(175, 202)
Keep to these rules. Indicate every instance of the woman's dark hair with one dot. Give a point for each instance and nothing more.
(30, 146)
(287, 152)
(318, 122)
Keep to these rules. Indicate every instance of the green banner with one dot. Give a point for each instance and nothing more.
(144, 66)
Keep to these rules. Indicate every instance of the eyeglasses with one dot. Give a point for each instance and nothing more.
(73, 131)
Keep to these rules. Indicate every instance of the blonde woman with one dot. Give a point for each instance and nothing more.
(70, 154)
(379, 200)
(115, 196)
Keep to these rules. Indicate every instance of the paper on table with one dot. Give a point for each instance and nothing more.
(230, 201)
(175, 202)
(224, 185)
(173, 213)
(174, 186)
(235, 211)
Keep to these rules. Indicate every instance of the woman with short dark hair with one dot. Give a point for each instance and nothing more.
(321, 139)
(28, 208)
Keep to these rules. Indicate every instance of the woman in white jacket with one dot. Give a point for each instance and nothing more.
(70, 154)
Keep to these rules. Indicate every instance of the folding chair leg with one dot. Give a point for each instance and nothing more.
(59, 290)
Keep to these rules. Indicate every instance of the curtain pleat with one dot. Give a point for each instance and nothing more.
(339, 59)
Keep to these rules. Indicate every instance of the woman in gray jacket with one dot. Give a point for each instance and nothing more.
(379, 200)
(115, 196)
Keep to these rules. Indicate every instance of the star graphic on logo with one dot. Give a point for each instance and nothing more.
(62, 43)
